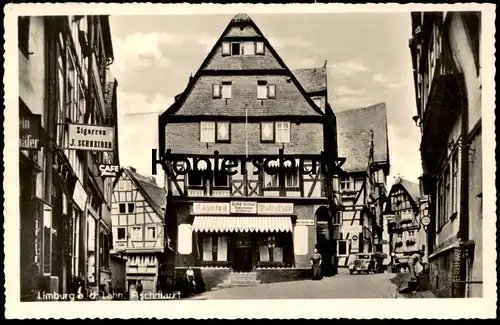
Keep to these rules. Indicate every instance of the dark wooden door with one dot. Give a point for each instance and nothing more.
(243, 253)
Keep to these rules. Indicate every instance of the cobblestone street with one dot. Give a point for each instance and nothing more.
(341, 286)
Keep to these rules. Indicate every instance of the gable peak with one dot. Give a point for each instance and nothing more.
(241, 18)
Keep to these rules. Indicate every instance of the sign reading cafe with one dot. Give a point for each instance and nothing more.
(91, 137)
(107, 170)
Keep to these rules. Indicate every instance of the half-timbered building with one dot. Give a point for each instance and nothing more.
(246, 105)
(406, 233)
(139, 230)
(363, 141)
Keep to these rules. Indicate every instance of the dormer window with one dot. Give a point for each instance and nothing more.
(236, 48)
(222, 90)
(242, 48)
(259, 48)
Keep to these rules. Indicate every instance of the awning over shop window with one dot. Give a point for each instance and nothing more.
(242, 224)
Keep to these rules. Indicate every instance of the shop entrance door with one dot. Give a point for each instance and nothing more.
(243, 253)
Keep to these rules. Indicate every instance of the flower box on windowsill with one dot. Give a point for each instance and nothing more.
(349, 193)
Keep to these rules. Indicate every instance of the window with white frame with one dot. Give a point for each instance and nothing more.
(214, 248)
(211, 132)
(267, 133)
(136, 233)
(271, 180)
(345, 183)
(207, 131)
(342, 247)
(124, 185)
(265, 90)
(151, 233)
(282, 132)
(242, 48)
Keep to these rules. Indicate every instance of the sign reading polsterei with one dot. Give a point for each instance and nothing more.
(242, 207)
(29, 132)
(91, 137)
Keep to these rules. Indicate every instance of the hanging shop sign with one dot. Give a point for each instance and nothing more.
(29, 132)
(245, 207)
(275, 208)
(91, 137)
(80, 196)
(107, 170)
(352, 229)
(304, 222)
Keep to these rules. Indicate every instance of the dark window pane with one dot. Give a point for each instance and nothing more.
(195, 179)
(122, 207)
(221, 179)
(131, 207)
(121, 233)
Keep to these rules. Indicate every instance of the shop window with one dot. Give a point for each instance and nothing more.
(214, 248)
(23, 24)
(151, 233)
(104, 246)
(271, 249)
(342, 248)
(121, 234)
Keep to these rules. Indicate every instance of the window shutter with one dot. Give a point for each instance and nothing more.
(226, 49)
(216, 91)
(259, 48)
(262, 90)
(226, 90)
(271, 91)
(249, 48)
(300, 240)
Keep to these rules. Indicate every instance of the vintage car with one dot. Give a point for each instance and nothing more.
(364, 262)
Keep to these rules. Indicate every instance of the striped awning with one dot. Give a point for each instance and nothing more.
(242, 224)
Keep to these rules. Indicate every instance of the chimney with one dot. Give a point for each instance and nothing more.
(132, 169)
(153, 180)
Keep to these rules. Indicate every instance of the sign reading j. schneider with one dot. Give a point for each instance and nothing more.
(91, 137)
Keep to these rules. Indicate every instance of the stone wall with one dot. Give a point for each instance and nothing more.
(271, 275)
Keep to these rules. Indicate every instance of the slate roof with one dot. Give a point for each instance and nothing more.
(155, 195)
(353, 133)
(313, 80)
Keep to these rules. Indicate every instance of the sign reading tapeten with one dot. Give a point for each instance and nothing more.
(210, 208)
(247, 207)
(91, 137)
(275, 208)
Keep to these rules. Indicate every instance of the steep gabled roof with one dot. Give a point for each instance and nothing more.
(358, 123)
(412, 188)
(313, 80)
(155, 195)
(355, 147)
(237, 19)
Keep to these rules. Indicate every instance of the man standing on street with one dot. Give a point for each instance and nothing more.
(413, 261)
(139, 290)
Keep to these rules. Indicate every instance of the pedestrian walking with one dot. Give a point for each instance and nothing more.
(190, 279)
(139, 289)
(316, 261)
(414, 264)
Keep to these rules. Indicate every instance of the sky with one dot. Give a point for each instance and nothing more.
(367, 56)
